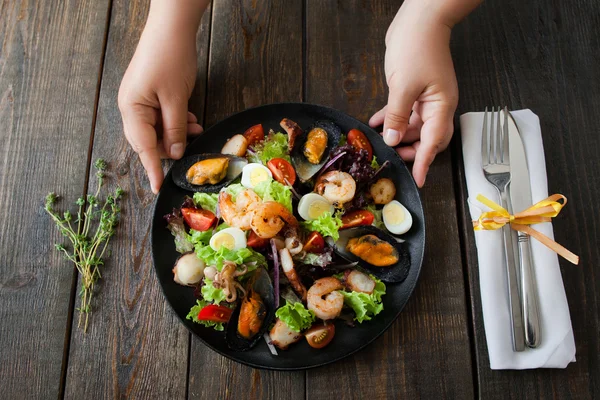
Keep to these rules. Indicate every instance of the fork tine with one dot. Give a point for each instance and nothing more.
(485, 148)
(498, 138)
(505, 139)
(493, 137)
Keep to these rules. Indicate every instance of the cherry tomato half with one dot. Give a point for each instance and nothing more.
(315, 243)
(358, 139)
(200, 220)
(256, 242)
(320, 335)
(215, 313)
(356, 218)
(254, 134)
(282, 171)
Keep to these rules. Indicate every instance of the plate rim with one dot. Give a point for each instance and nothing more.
(411, 288)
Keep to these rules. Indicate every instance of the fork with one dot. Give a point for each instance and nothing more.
(495, 162)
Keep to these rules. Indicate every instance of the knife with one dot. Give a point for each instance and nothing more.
(520, 197)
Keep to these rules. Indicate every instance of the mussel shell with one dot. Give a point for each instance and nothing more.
(394, 273)
(181, 167)
(261, 283)
(304, 169)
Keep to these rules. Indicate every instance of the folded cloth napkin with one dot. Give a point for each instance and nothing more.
(557, 348)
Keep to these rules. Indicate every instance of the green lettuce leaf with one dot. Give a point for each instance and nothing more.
(295, 316)
(183, 242)
(234, 190)
(326, 225)
(343, 140)
(374, 164)
(208, 201)
(365, 305)
(211, 293)
(241, 256)
(200, 236)
(275, 191)
(275, 146)
(193, 315)
(378, 221)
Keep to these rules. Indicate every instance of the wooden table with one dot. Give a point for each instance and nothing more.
(60, 68)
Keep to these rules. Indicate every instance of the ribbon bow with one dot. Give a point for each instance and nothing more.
(542, 211)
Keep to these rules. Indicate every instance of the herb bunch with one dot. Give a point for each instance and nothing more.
(88, 245)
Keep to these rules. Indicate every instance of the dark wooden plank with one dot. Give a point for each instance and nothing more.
(426, 353)
(543, 56)
(135, 345)
(255, 58)
(49, 59)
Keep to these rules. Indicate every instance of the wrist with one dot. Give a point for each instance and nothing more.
(441, 12)
(179, 20)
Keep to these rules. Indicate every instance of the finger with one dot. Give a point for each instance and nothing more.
(174, 119)
(191, 118)
(412, 135)
(407, 153)
(435, 136)
(377, 118)
(142, 137)
(397, 115)
(194, 129)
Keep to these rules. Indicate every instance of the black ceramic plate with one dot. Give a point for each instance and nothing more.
(347, 340)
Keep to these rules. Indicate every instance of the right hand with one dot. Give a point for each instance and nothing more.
(154, 94)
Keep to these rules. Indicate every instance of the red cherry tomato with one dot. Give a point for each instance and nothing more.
(282, 171)
(215, 313)
(254, 134)
(358, 139)
(256, 242)
(315, 243)
(320, 335)
(200, 220)
(356, 218)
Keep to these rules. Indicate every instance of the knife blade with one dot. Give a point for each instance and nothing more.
(521, 199)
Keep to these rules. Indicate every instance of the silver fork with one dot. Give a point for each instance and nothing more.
(495, 162)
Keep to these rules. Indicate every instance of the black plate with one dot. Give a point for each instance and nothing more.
(347, 340)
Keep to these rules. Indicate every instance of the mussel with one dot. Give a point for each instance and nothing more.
(208, 172)
(253, 317)
(390, 261)
(311, 149)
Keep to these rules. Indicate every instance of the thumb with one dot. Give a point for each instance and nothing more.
(174, 117)
(399, 106)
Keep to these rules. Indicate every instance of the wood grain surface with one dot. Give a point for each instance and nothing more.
(426, 353)
(49, 58)
(255, 58)
(542, 57)
(135, 346)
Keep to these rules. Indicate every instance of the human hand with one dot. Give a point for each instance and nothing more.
(421, 79)
(154, 93)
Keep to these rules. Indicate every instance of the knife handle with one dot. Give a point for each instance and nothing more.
(531, 316)
(516, 316)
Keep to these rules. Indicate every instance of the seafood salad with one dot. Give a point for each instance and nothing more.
(283, 233)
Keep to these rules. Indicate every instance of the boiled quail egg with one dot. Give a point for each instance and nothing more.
(230, 238)
(396, 217)
(312, 205)
(254, 173)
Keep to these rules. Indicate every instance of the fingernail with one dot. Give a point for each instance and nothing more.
(177, 150)
(391, 137)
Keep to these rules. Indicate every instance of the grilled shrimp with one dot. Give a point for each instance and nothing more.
(336, 186)
(239, 214)
(359, 282)
(269, 218)
(282, 336)
(324, 299)
(287, 264)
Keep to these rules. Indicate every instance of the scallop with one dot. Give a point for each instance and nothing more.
(391, 273)
(188, 270)
(208, 172)
(316, 146)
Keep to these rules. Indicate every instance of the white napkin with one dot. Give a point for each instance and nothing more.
(557, 348)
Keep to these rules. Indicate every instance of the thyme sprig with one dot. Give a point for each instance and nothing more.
(88, 245)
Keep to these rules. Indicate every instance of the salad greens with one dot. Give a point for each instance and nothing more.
(274, 146)
(183, 243)
(374, 164)
(326, 225)
(275, 191)
(193, 315)
(365, 305)
(234, 190)
(207, 201)
(295, 316)
(211, 293)
(378, 221)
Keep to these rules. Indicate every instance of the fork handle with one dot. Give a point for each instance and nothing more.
(528, 293)
(516, 320)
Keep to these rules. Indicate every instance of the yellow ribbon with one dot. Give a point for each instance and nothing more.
(542, 211)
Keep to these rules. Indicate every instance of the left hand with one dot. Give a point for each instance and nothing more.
(421, 79)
